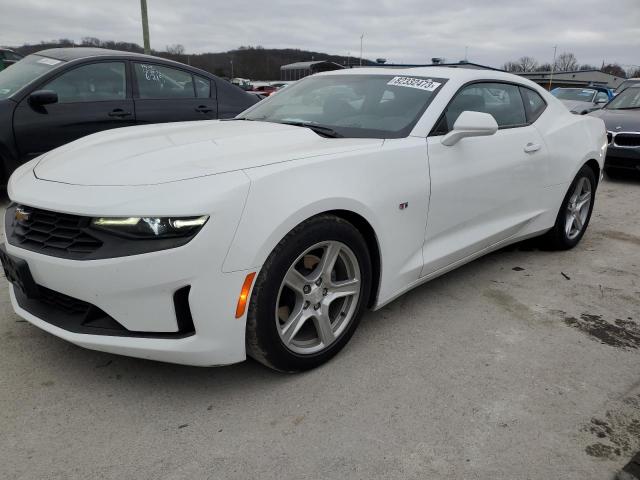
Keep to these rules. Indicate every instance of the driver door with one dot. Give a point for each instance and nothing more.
(91, 98)
(483, 189)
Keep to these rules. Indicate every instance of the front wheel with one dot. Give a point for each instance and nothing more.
(309, 296)
(575, 212)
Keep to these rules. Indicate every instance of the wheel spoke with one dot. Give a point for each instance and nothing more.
(583, 200)
(578, 221)
(322, 323)
(293, 325)
(327, 262)
(295, 280)
(569, 224)
(346, 288)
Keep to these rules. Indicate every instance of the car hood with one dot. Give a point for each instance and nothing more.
(620, 120)
(578, 106)
(154, 154)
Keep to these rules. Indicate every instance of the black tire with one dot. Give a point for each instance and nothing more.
(263, 339)
(557, 238)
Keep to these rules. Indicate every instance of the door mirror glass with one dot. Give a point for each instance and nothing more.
(43, 97)
(470, 124)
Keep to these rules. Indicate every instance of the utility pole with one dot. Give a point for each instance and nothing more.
(361, 37)
(232, 77)
(553, 65)
(145, 26)
(466, 51)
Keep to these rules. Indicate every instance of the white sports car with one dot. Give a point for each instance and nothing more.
(269, 234)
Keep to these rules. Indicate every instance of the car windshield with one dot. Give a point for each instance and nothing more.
(575, 94)
(626, 100)
(372, 106)
(626, 84)
(21, 73)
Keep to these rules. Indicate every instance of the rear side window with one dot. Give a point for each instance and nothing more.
(534, 104)
(500, 100)
(157, 81)
(203, 87)
(91, 83)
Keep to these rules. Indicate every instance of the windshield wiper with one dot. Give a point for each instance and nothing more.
(624, 108)
(319, 129)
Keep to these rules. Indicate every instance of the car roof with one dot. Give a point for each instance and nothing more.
(460, 74)
(68, 54)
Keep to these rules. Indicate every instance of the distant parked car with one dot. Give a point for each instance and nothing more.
(583, 100)
(626, 84)
(9, 57)
(266, 90)
(622, 119)
(56, 96)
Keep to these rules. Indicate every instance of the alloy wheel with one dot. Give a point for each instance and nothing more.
(578, 208)
(318, 297)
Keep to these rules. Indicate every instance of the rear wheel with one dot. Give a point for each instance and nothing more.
(309, 295)
(575, 212)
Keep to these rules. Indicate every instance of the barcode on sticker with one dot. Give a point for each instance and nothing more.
(411, 82)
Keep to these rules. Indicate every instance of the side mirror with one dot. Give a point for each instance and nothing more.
(470, 124)
(602, 101)
(43, 97)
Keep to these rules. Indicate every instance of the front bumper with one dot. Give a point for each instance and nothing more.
(138, 291)
(622, 157)
(139, 294)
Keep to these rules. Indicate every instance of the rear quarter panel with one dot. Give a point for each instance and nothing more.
(572, 140)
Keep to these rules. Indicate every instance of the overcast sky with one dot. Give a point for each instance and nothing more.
(401, 31)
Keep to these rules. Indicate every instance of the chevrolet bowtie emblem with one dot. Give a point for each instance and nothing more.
(22, 215)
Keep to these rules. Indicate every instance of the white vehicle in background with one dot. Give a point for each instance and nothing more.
(270, 234)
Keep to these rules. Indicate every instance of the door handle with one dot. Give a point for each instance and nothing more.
(203, 109)
(118, 112)
(532, 147)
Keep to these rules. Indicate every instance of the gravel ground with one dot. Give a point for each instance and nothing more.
(521, 365)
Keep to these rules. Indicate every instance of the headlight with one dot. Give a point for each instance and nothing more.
(151, 227)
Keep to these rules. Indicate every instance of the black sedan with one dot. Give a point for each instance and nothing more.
(622, 119)
(55, 96)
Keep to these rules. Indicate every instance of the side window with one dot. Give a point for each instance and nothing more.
(157, 81)
(534, 104)
(203, 87)
(91, 83)
(501, 100)
(12, 56)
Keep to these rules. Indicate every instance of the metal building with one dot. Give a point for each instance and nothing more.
(578, 78)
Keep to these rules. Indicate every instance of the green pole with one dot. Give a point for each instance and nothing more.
(145, 26)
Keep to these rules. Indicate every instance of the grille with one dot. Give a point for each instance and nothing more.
(609, 137)
(627, 140)
(48, 232)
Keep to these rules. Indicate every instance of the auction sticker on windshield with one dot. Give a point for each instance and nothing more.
(411, 82)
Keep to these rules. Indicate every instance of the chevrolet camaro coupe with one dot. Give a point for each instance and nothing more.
(269, 234)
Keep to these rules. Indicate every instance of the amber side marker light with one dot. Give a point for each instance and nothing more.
(244, 295)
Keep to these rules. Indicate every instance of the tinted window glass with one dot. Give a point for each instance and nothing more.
(203, 87)
(534, 103)
(500, 100)
(156, 81)
(91, 83)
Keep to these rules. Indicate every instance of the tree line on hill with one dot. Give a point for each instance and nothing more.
(567, 62)
(256, 63)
